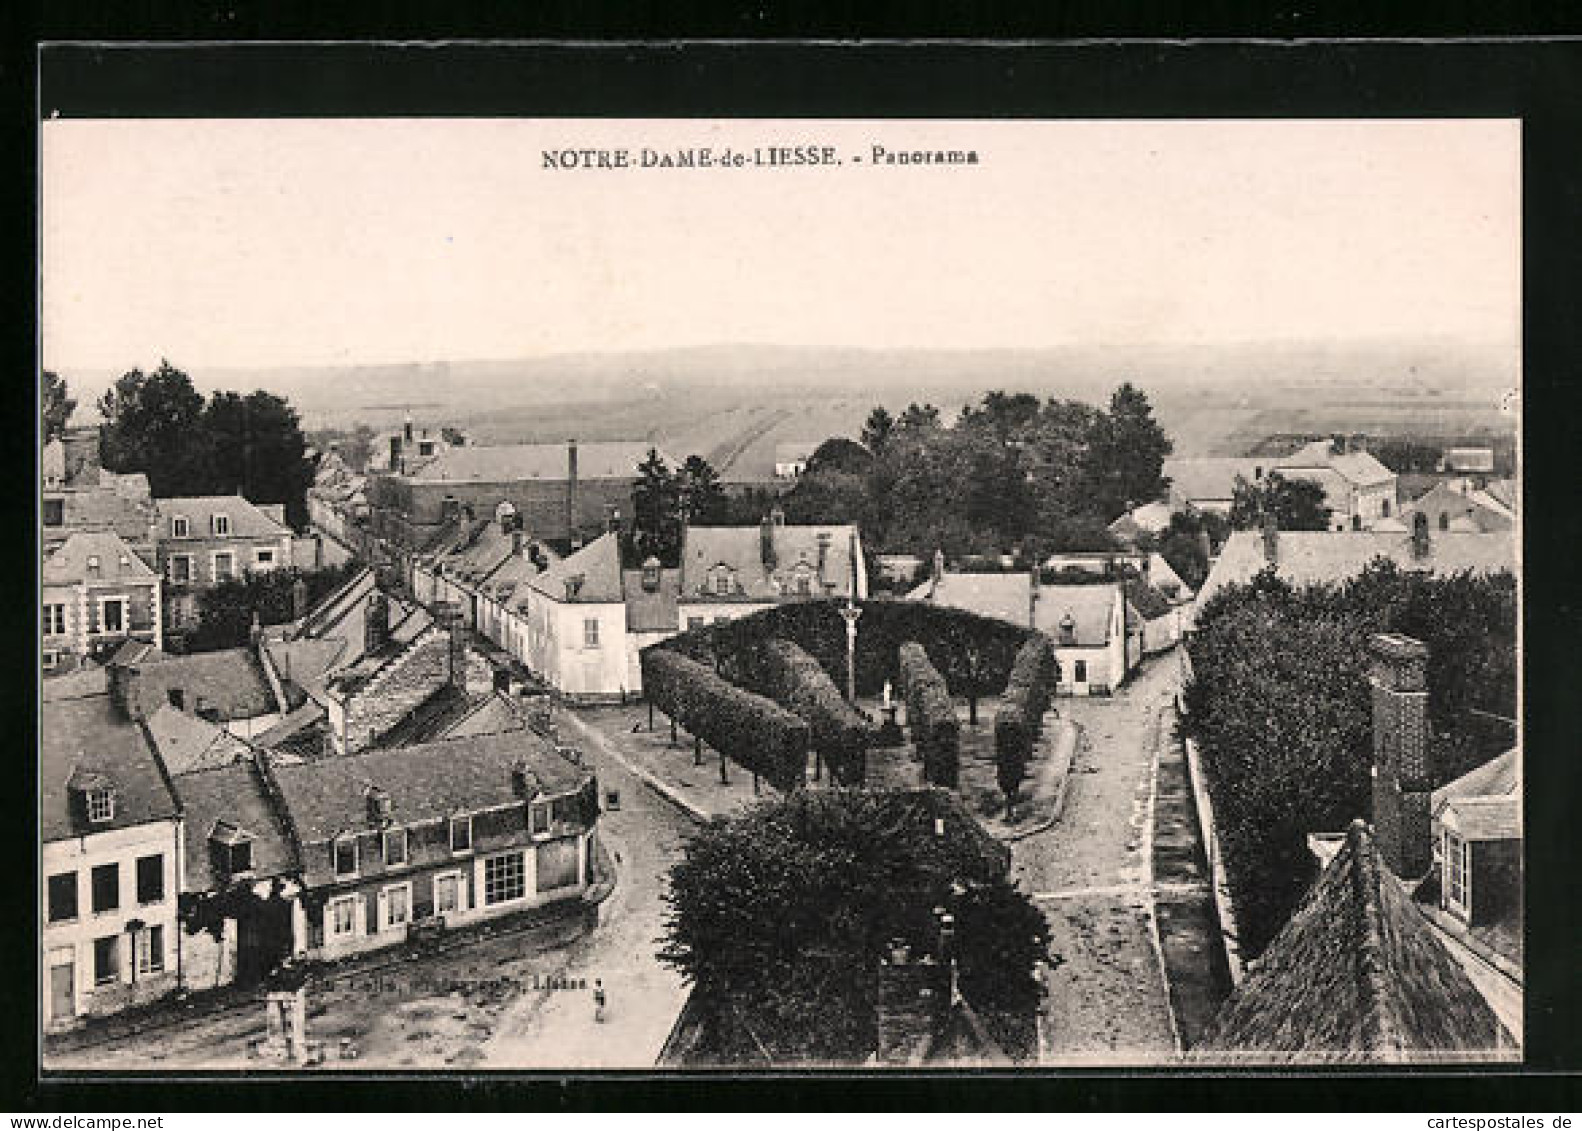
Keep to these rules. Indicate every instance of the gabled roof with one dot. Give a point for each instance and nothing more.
(652, 610)
(1358, 975)
(1484, 803)
(1090, 607)
(1212, 478)
(1004, 596)
(247, 520)
(305, 662)
(516, 463)
(598, 564)
(88, 736)
(1503, 492)
(117, 563)
(114, 507)
(482, 549)
(1359, 468)
(491, 714)
(230, 681)
(234, 799)
(740, 549)
(431, 781)
(188, 743)
(1308, 557)
(1445, 501)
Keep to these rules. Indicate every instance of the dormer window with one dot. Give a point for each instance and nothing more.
(722, 580)
(232, 849)
(395, 848)
(651, 574)
(101, 805)
(1068, 630)
(345, 849)
(804, 585)
(461, 834)
(179, 527)
(93, 564)
(539, 813)
(221, 525)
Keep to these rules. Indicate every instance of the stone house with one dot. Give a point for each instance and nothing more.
(458, 830)
(97, 593)
(1358, 489)
(730, 571)
(77, 494)
(111, 837)
(205, 540)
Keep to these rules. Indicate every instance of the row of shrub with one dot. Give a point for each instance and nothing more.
(930, 715)
(1027, 697)
(974, 654)
(799, 683)
(755, 733)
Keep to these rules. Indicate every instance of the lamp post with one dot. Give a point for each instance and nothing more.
(849, 614)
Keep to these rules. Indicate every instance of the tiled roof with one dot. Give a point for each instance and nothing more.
(1308, 557)
(1357, 975)
(117, 562)
(108, 508)
(1003, 596)
(1091, 608)
(230, 681)
(741, 549)
(598, 564)
(1484, 803)
(425, 782)
(1445, 501)
(1358, 468)
(236, 796)
(518, 462)
(652, 611)
(188, 743)
(306, 663)
(247, 520)
(1211, 478)
(492, 714)
(89, 735)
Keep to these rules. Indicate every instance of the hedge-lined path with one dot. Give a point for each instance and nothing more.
(1091, 873)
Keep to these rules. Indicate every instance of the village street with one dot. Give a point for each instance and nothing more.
(1091, 875)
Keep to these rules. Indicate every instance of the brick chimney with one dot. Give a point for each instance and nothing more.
(824, 537)
(376, 622)
(1422, 543)
(1403, 777)
(766, 542)
(913, 1001)
(1271, 540)
(125, 681)
(571, 492)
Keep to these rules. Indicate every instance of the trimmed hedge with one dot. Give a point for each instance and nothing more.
(796, 680)
(930, 715)
(755, 733)
(1027, 697)
(974, 654)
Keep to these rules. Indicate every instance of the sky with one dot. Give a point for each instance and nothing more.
(308, 242)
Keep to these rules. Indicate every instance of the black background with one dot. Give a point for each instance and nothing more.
(1278, 76)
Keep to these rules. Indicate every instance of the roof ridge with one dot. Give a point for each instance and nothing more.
(1379, 1029)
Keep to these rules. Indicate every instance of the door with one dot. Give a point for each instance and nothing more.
(62, 990)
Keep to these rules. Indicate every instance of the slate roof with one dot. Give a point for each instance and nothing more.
(188, 743)
(1003, 596)
(1357, 976)
(1485, 802)
(90, 736)
(1090, 608)
(117, 508)
(1213, 477)
(741, 548)
(430, 781)
(118, 562)
(1308, 557)
(231, 681)
(247, 520)
(1359, 468)
(492, 714)
(306, 663)
(598, 564)
(1148, 601)
(515, 463)
(482, 549)
(235, 795)
(1444, 500)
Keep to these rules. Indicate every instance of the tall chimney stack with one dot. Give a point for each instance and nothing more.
(1271, 540)
(1403, 777)
(571, 492)
(766, 543)
(376, 622)
(1421, 541)
(299, 599)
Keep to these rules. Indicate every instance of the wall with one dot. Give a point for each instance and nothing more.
(73, 940)
(393, 691)
(202, 550)
(1497, 882)
(1162, 633)
(716, 611)
(207, 962)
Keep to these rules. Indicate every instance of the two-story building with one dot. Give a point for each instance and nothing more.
(461, 830)
(111, 848)
(97, 593)
(77, 494)
(1358, 489)
(209, 539)
(730, 571)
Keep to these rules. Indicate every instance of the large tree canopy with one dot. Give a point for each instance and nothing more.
(779, 917)
(159, 424)
(1294, 504)
(55, 406)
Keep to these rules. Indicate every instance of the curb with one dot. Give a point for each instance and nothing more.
(1059, 807)
(643, 774)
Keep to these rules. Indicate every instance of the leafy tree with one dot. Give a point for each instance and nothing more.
(779, 917)
(1295, 504)
(656, 500)
(840, 454)
(1007, 415)
(254, 445)
(151, 423)
(1404, 455)
(358, 447)
(1187, 543)
(876, 430)
(1128, 454)
(226, 610)
(699, 494)
(917, 417)
(55, 406)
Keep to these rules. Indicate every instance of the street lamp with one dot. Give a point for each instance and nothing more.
(849, 614)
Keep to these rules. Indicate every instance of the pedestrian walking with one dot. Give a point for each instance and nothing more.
(598, 1000)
